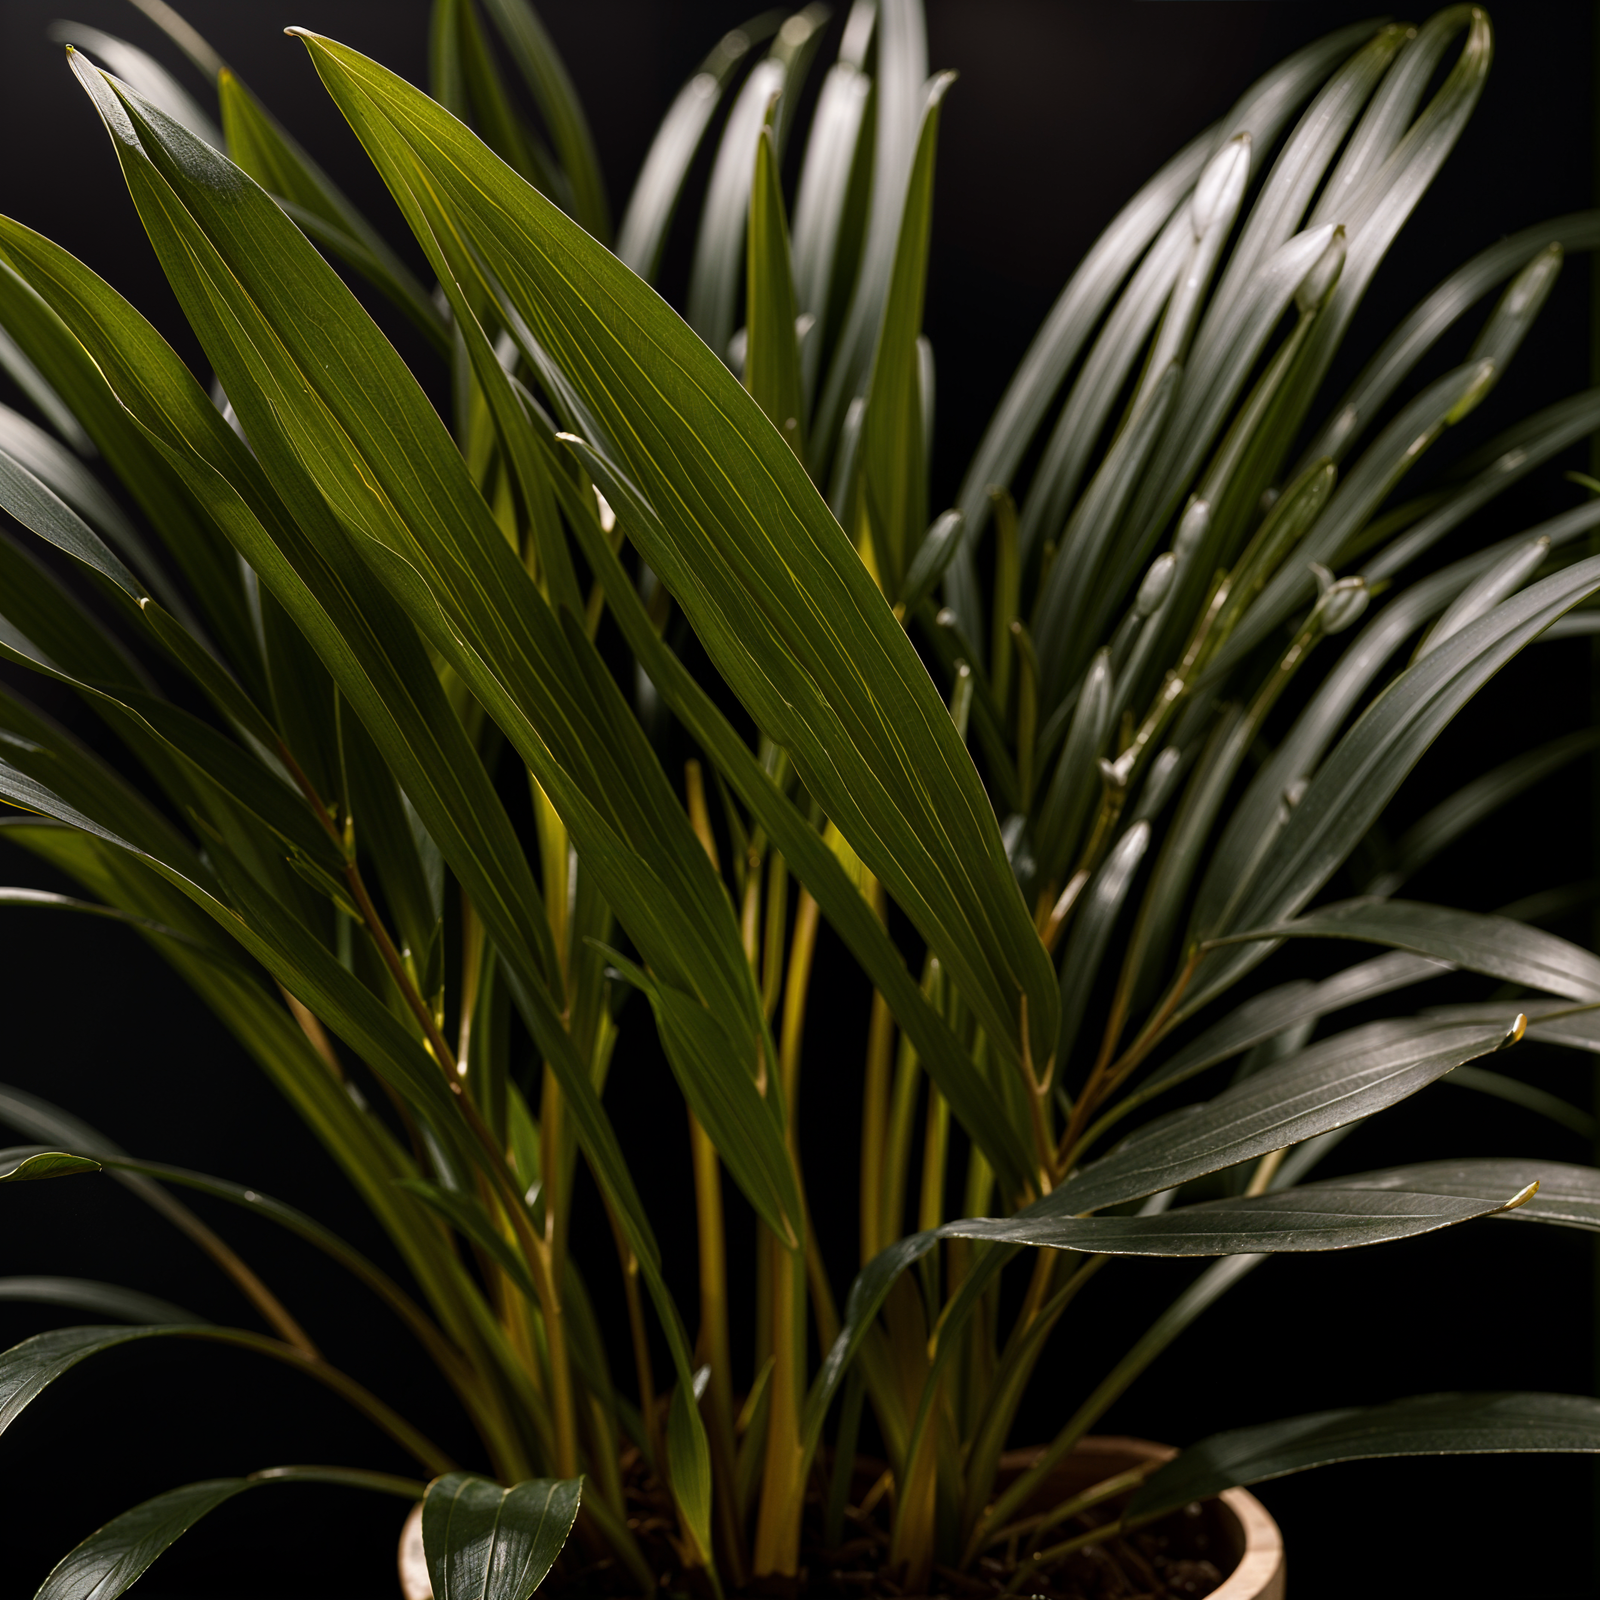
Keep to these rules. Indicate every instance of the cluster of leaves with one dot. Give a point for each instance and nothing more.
(382, 614)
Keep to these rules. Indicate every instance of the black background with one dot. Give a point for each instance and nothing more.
(1060, 112)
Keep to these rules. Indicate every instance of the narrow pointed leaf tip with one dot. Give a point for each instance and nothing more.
(745, 544)
(21, 1167)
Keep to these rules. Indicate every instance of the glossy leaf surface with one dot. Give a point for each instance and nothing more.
(1442, 1424)
(774, 589)
(487, 1543)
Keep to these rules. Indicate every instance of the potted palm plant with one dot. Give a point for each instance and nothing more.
(1061, 767)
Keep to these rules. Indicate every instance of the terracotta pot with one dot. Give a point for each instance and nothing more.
(1237, 1521)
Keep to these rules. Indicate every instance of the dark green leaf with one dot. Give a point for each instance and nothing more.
(1496, 946)
(894, 467)
(1269, 1013)
(946, 1060)
(56, 336)
(1568, 1196)
(1438, 1424)
(557, 100)
(272, 157)
(110, 1561)
(772, 352)
(98, 1299)
(488, 1543)
(1323, 1086)
(465, 1213)
(1369, 763)
(1337, 1216)
(23, 1168)
(754, 569)
(145, 73)
(741, 1115)
(27, 1369)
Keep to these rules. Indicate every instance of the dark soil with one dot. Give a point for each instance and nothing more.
(1183, 1556)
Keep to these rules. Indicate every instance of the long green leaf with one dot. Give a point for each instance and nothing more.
(1436, 1424)
(1496, 946)
(541, 679)
(947, 1061)
(28, 1165)
(1315, 1217)
(89, 386)
(65, 475)
(546, 76)
(714, 274)
(899, 85)
(777, 594)
(772, 352)
(98, 1299)
(894, 467)
(373, 654)
(1568, 1196)
(29, 1368)
(1262, 111)
(112, 1559)
(487, 1543)
(1356, 781)
(642, 233)
(144, 73)
(259, 145)
(1320, 1087)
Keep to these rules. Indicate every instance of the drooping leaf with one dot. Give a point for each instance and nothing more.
(98, 1299)
(29, 1368)
(1439, 1424)
(1568, 1196)
(1496, 946)
(487, 1543)
(22, 1167)
(1335, 1216)
(1323, 1086)
(112, 1559)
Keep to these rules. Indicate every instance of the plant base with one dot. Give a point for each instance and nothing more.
(1228, 1548)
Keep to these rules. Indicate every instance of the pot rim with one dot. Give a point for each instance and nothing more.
(1260, 1568)
(1258, 1573)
